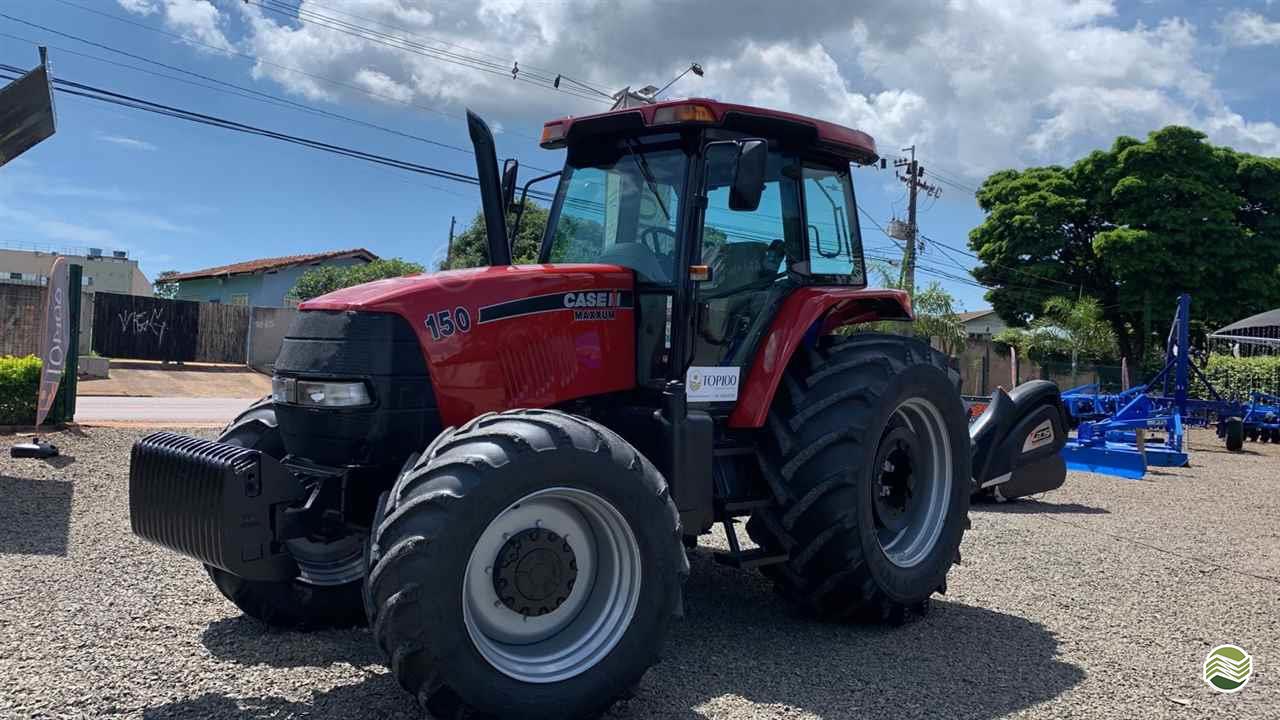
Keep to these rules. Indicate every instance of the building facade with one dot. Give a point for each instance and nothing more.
(107, 273)
(982, 324)
(261, 283)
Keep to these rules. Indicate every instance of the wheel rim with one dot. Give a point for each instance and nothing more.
(551, 585)
(913, 482)
(329, 563)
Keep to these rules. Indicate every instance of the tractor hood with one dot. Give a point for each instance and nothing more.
(483, 285)
(509, 336)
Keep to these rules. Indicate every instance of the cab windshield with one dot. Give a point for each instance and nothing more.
(622, 211)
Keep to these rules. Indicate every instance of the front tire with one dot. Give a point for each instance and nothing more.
(527, 566)
(867, 456)
(296, 604)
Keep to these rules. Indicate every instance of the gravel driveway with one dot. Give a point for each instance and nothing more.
(1100, 600)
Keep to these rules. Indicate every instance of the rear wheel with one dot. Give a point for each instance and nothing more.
(1233, 433)
(527, 566)
(327, 591)
(867, 456)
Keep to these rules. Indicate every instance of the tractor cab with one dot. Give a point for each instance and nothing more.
(721, 211)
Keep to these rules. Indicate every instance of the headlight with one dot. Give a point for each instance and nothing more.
(319, 393)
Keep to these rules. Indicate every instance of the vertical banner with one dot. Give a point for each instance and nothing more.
(53, 338)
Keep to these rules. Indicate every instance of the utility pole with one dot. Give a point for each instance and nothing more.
(914, 185)
(448, 253)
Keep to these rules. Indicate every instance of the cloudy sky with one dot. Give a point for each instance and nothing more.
(976, 85)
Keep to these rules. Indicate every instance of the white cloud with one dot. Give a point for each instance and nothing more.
(55, 229)
(197, 20)
(146, 221)
(979, 84)
(128, 142)
(1246, 28)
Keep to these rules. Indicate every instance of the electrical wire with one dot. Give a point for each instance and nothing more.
(100, 94)
(240, 90)
(546, 73)
(302, 15)
(278, 66)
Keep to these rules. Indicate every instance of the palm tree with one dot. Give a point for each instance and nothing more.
(935, 313)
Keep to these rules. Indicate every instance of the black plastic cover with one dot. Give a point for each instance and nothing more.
(1016, 442)
(211, 501)
(378, 348)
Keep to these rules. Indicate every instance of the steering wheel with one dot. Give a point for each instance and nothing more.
(649, 236)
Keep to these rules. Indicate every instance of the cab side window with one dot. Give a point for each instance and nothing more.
(748, 248)
(834, 247)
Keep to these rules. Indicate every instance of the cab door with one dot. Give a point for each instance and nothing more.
(749, 255)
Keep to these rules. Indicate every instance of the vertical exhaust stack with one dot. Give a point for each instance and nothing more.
(495, 219)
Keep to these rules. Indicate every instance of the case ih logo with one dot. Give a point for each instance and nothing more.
(597, 305)
(585, 304)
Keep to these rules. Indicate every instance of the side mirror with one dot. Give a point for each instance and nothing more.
(510, 170)
(748, 175)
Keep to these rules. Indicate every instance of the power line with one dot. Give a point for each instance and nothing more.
(526, 69)
(242, 90)
(302, 15)
(286, 68)
(95, 93)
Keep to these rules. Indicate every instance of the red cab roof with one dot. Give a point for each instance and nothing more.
(837, 139)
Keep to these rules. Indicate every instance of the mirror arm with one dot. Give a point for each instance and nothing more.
(515, 229)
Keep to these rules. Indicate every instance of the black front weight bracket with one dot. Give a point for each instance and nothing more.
(220, 504)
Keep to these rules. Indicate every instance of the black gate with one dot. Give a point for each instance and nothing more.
(143, 328)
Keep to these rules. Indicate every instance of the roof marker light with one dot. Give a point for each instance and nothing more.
(683, 113)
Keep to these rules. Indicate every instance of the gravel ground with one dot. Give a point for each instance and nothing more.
(1098, 600)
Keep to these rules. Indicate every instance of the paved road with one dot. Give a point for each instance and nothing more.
(160, 410)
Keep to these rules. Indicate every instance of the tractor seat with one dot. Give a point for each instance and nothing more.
(736, 264)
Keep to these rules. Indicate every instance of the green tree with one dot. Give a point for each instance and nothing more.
(471, 246)
(1132, 227)
(166, 290)
(327, 278)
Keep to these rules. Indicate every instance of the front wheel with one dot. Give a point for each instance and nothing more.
(867, 454)
(527, 566)
(327, 593)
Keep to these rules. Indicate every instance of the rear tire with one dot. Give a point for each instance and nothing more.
(294, 605)
(527, 566)
(846, 413)
(1234, 433)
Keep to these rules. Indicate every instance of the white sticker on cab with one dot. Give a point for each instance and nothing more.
(711, 384)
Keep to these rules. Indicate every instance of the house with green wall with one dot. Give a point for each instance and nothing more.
(261, 283)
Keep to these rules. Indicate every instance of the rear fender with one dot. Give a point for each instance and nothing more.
(807, 313)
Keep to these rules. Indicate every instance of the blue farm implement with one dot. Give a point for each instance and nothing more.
(1114, 433)
(1260, 420)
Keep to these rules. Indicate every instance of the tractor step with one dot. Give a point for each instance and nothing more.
(743, 507)
(748, 559)
(745, 559)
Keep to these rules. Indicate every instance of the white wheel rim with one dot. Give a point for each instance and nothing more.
(910, 545)
(585, 624)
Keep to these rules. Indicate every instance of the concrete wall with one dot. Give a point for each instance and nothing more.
(267, 327)
(264, 289)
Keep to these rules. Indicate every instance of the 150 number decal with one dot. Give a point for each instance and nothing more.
(446, 323)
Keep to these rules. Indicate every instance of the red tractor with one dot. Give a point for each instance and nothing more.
(501, 468)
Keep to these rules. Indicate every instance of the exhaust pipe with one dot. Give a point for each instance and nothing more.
(495, 218)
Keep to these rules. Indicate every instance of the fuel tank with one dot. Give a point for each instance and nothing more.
(497, 338)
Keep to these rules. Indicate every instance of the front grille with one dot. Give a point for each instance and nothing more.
(382, 350)
(210, 501)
